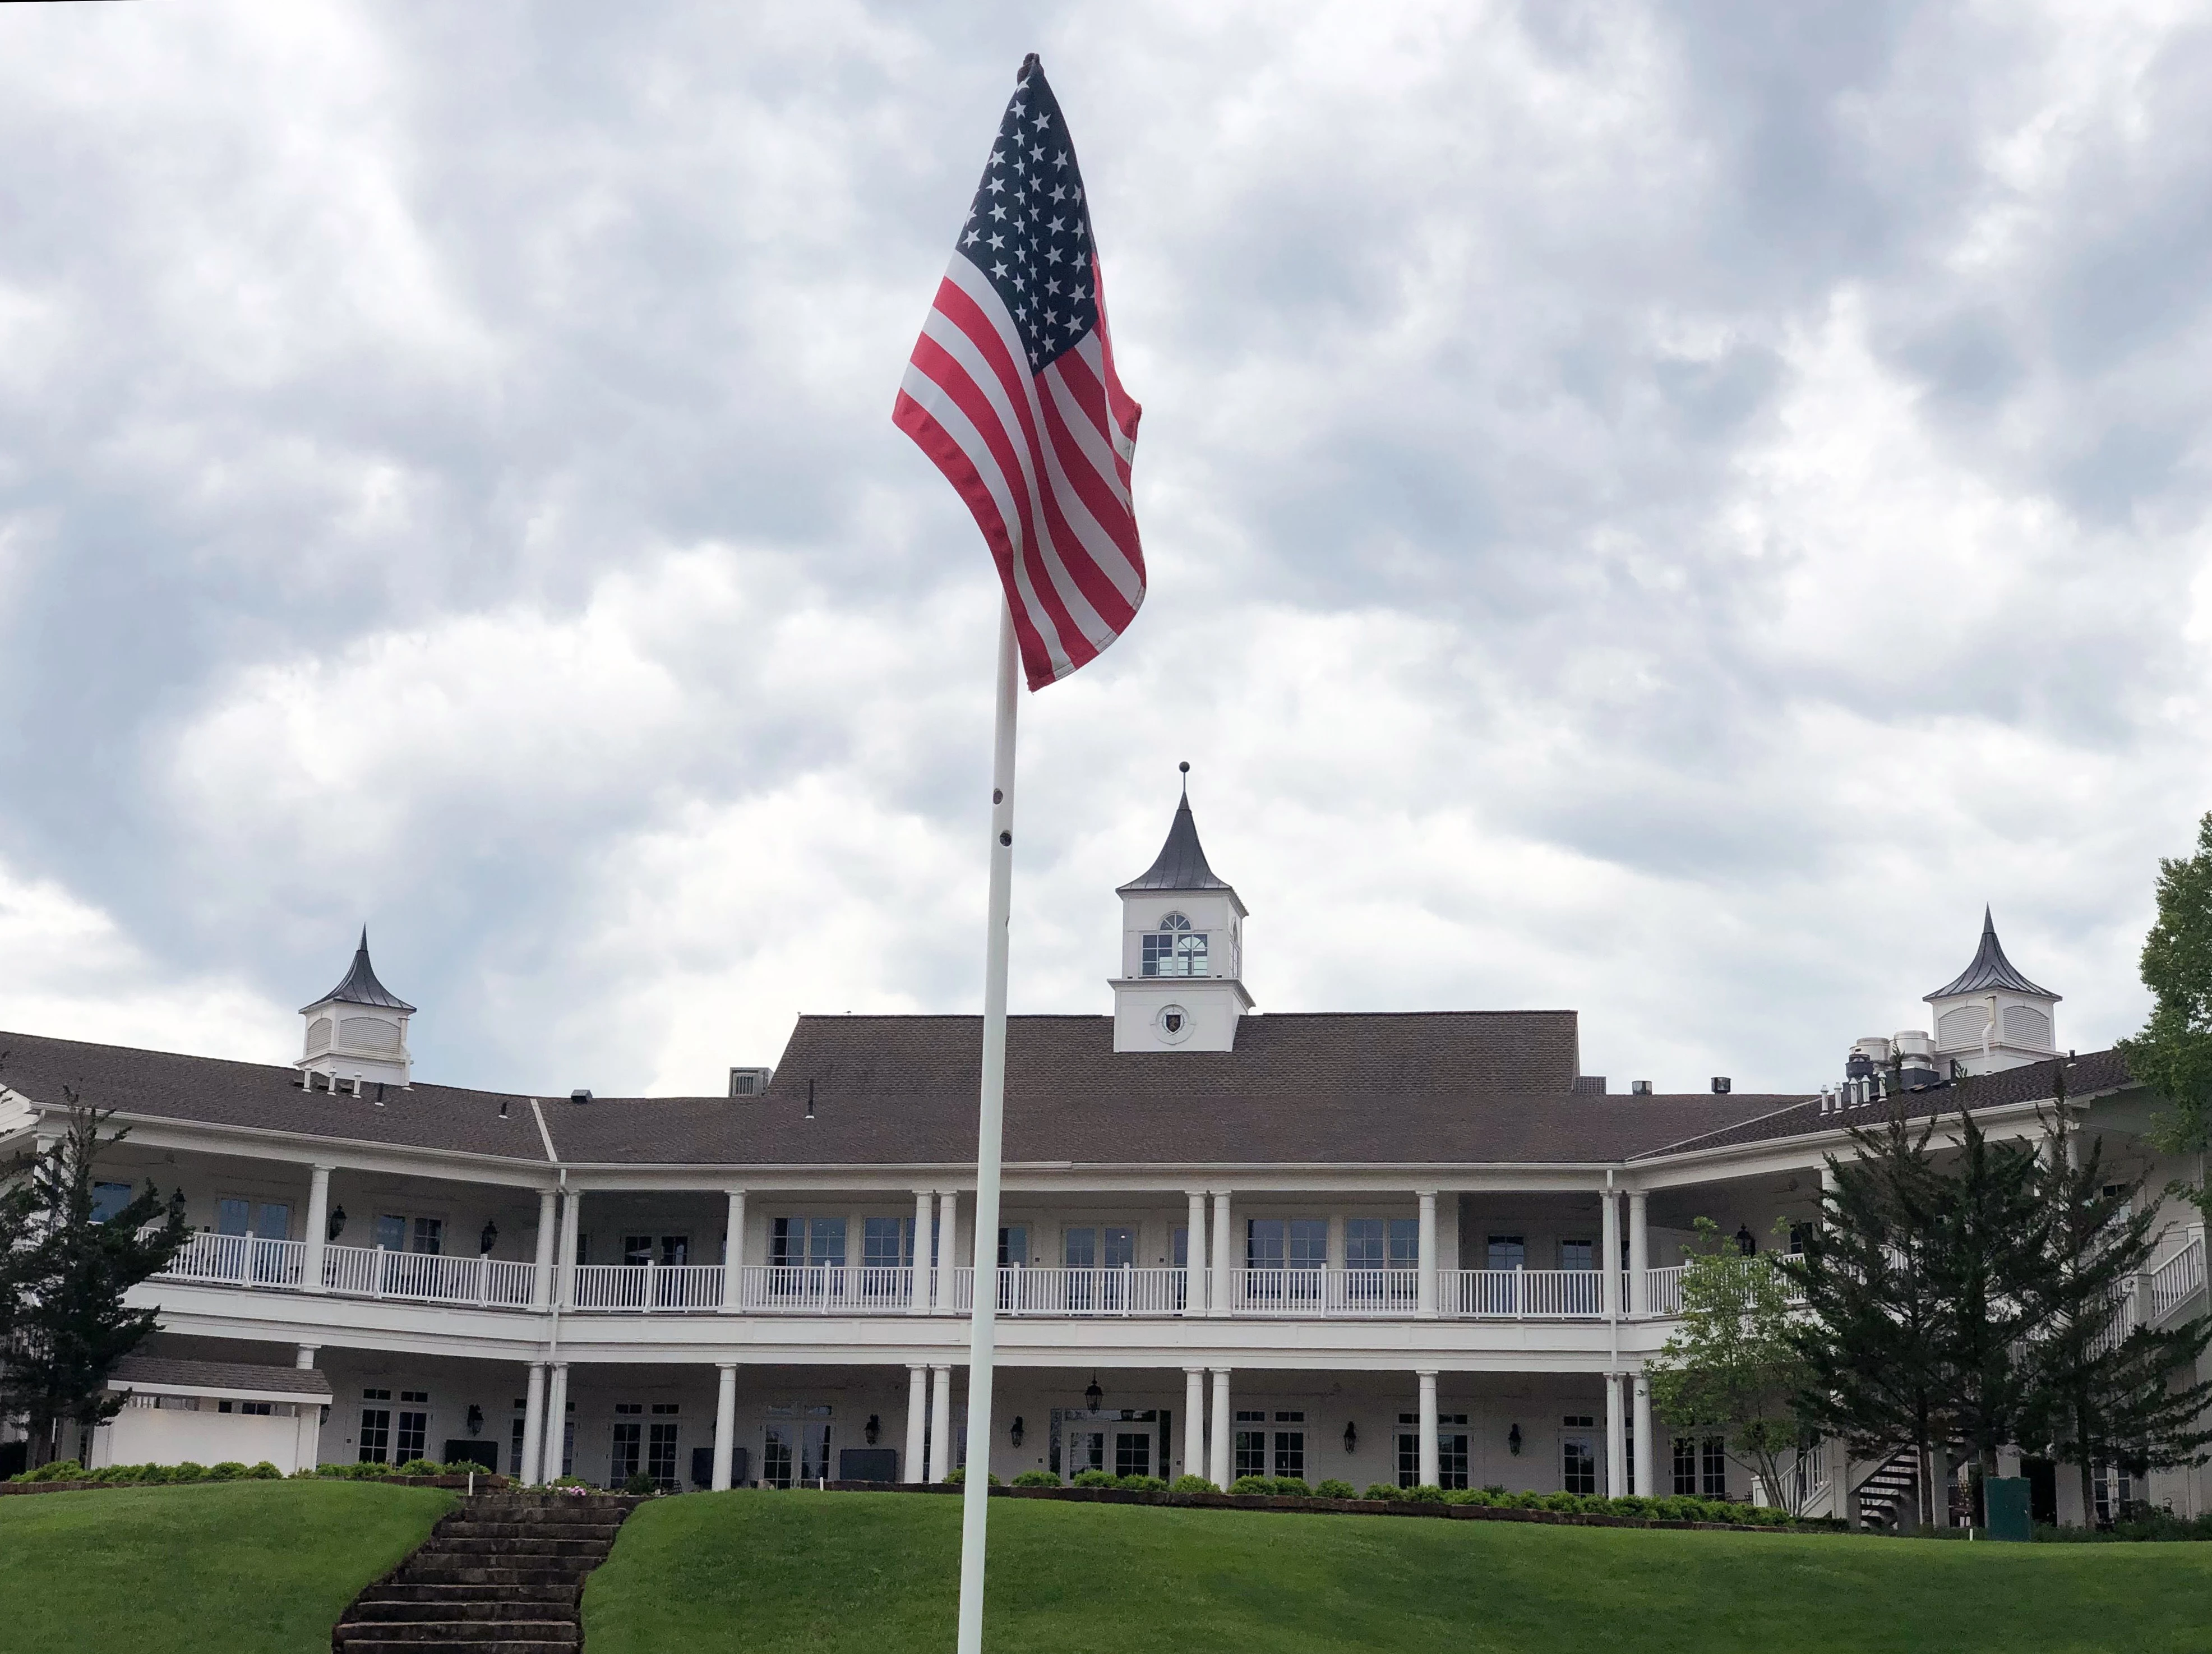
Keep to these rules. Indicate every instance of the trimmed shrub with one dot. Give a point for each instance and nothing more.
(1247, 1485)
(1427, 1494)
(1037, 1478)
(228, 1470)
(1468, 1496)
(60, 1470)
(1629, 1505)
(1565, 1503)
(959, 1478)
(1292, 1488)
(1189, 1484)
(265, 1471)
(188, 1471)
(1092, 1479)
(432, 1468)
(1332, 1488)
(1380, 1490)
(1140, 1483)
(638, 1482)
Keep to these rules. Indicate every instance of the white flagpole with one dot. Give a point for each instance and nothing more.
(982, 1335)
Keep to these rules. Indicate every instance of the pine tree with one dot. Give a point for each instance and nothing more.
(2100, 1390)
(2173, 1055)
(1872, 1332)
(63, 1311)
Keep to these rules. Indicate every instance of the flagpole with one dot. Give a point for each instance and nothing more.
(990, 1131)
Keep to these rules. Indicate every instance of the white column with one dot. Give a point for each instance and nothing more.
(1616, 1439)
(304, 1357)
(924, 1257)
(564, 1262)
(1425, 1286)
(948, 1224)
(734, 1252)
(1224, 1422)
(1224, 1265)
(1430, 1470)
(319, 1223)
(557, 1419)
(1608, 1256)
(1193, 1422)
(1640, 1262)
(940, 1423)
(725, 1417)
(533, 1423)
(1647, 1485)
(1198, 1296)
(914, 1467)
(549, 1229)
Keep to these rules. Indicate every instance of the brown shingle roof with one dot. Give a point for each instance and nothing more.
(215, 1377)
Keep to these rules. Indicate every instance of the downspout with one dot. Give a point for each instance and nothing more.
(559, 1224)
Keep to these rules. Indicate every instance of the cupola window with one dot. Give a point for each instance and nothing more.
(1175, 949)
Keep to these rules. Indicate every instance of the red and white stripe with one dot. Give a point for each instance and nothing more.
(1043, 461)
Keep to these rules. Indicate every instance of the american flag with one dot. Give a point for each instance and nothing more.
(1011, 391)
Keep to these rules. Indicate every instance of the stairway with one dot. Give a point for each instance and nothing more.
(503, 1574)
(1897, 1483)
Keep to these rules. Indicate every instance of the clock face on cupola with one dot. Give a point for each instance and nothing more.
(1182, 951)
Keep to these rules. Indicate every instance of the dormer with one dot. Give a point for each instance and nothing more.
(1990, 1017)
(1181, 986)
(358, 1032)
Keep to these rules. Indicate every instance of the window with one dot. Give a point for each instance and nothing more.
(660, 1454)
(1285, 1243)
(1405, 1243)
(1251, 1445)
(2114, 1490)
(1409, 1452)
(430, 1236)
(622, 1463)
(232, 1216)
(776, 1458)
(1175, 949)
(107, 1200)
(414, 1433)
(1364, 1246)
(1577, 1464)
(1577, 1255)
(1132, 1453)
(1451, 1451)
(1686, 1465)
(813, 1242)
(1712, 1466)
(886, 1242)
(1290, 1447)
(391, 1232)
(258, 1409)
(514, 1441)
(375, 1438)
(1508, 1252)
(672, 1251)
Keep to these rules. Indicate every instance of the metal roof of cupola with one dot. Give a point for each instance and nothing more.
(356, 1032)
(1990, 1017)
(1181, 986)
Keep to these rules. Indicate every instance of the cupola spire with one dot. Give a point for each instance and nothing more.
(358, 1032)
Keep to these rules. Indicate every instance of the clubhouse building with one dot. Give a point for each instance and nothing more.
(1418, 1248)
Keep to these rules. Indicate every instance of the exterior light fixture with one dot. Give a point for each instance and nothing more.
(476, 1419)
(873, 1429)
(1745, 1243)
(337, 1226)
(1513, 1440)
(1350, 1438)
(1093, 1395)
(1015, 1434)
(489, 1239)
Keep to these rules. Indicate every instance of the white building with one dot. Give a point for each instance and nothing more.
(1361, 1246)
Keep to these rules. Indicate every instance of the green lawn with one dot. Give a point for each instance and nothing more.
(831, 1573)
(242, 1568)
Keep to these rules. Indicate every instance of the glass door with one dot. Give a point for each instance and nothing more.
(1132, 1450)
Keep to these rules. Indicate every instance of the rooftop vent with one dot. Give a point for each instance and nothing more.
(1639, 1088)
(581, 1094)
(748, 1082)
(1590, 1085)
(1723, 1085)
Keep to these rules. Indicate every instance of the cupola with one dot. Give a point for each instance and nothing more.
(1990, 1017)
(358, 1032)
(1181, 987)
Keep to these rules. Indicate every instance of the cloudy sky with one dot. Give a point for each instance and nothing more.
(1663, 510)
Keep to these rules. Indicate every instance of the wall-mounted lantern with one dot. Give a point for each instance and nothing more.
(476, 1419)
(1350, 1438)
(1513, 1441)
(489, 1239)
(1015, 1434)
(873, 1429)
(1092, 1394)
(337, 1226)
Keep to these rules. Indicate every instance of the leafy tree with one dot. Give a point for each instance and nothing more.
(61, 1300)
(1731, 1366)
(2173, 1055)
(2100, 1390)
(1872, 1329)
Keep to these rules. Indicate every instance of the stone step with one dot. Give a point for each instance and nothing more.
(351, 1634)
(475, 1527)
(413, 1591)
(342, 1644)
(464, 1573)
(519, 1545)
(383, 1612)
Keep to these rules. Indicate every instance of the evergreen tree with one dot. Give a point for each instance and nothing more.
(1872, 1331)
(2100, 1388)
(2173, 1055)
(1993, 1271)
(63, 1311)
(1730, 1366)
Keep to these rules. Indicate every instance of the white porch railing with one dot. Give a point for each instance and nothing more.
(2178, 1280)
(239, 1261)
(1127, 1291)
(1663, 1292)
(825, 1289)
(647, 1288)
(1525, 1294)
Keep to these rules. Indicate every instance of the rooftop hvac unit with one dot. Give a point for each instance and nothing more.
(748, 1082)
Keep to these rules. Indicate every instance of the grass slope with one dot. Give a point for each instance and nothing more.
(878, 1574)
(242, 1568)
